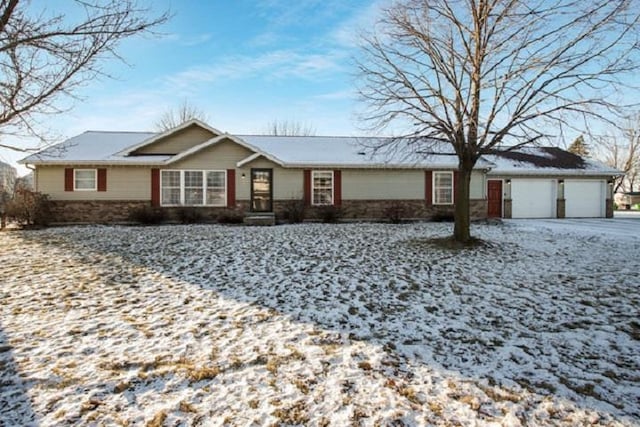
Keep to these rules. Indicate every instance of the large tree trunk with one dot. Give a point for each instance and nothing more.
(462, 225)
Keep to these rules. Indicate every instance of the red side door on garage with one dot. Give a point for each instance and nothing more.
(494, 195)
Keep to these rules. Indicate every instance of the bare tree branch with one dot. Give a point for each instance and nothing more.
(484, 74)
(44, 59)
(621, 150)
(289, 128)
(176, 116)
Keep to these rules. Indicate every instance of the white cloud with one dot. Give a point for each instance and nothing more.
(278, 64)
(347, 34)
(187, 40)
(347, 94)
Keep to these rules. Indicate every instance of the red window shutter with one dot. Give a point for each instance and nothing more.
(337, 188)
(428, 187)
(231, 188)
(102, 180)
(155, 187)
(68, 179)
(307, 187)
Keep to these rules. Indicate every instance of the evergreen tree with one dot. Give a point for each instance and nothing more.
(579, 147)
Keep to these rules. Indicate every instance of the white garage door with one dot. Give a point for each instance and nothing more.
(533, 198)
(584, 198)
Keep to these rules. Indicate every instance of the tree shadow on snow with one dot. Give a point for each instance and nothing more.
(498, 315)
(15, 403)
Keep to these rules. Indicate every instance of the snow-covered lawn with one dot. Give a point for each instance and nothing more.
(353, 324)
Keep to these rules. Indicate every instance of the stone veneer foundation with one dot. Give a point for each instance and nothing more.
(115, 211)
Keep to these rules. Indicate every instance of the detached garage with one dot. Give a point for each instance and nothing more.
(547, 182)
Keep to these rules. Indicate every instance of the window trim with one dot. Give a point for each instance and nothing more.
(95, 180)
(313, 188)
(204, 187)
(435, 188)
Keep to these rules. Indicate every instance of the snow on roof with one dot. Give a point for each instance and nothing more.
(545, 161)
(353, 152)
(100, 147)
(95, 147)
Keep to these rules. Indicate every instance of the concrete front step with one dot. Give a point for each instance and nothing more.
(260, 219)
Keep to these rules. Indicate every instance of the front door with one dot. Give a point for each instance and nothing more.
(494, 195)
(261, 190)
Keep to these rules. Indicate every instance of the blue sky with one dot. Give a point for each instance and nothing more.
(245, 63)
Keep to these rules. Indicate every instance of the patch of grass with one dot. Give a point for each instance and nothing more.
(470, 400)
(202, 373)
(187, 407)
(435, 407)
(500, 395)
(295, 414)
(410, 394)
(365, 366)
(273, 364)
(157, 420)
(358, 414)
(586, 389)
(122, 386)
(89, 405)
(301, 385)
(450, 244)
(634, 330)
(295, 353)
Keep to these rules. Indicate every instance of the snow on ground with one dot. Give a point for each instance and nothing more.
(352, 324)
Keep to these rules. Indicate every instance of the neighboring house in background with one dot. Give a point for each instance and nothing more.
(7, 184)
(7, 177)
(102, 176)
(627, 200)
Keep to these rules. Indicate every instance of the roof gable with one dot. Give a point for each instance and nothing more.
(174, 141)
(217, 140)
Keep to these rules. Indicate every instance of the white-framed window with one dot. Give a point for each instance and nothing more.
(216, 191)
(442, 188)
(322, 187)
(170, 188)
(193, 188)
(85, 179)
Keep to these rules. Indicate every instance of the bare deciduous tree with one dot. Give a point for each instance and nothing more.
(45, 56)
(621, 150)
(289, 128)
(481, 74)
(176, 116)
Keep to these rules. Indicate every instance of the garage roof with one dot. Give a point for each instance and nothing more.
(545, 161)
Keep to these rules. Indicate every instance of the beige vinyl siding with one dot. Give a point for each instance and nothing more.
(477, 185)
(223, 155)
(287, 183)
(383, 184)
(123, 183)
(178, 142)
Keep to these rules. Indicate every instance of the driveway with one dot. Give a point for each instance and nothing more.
(625, 225)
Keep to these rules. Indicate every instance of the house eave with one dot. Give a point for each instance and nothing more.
(93, 162)
(554, 173)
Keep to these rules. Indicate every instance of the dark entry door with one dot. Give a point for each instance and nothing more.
(494, 195)
(261, 190)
